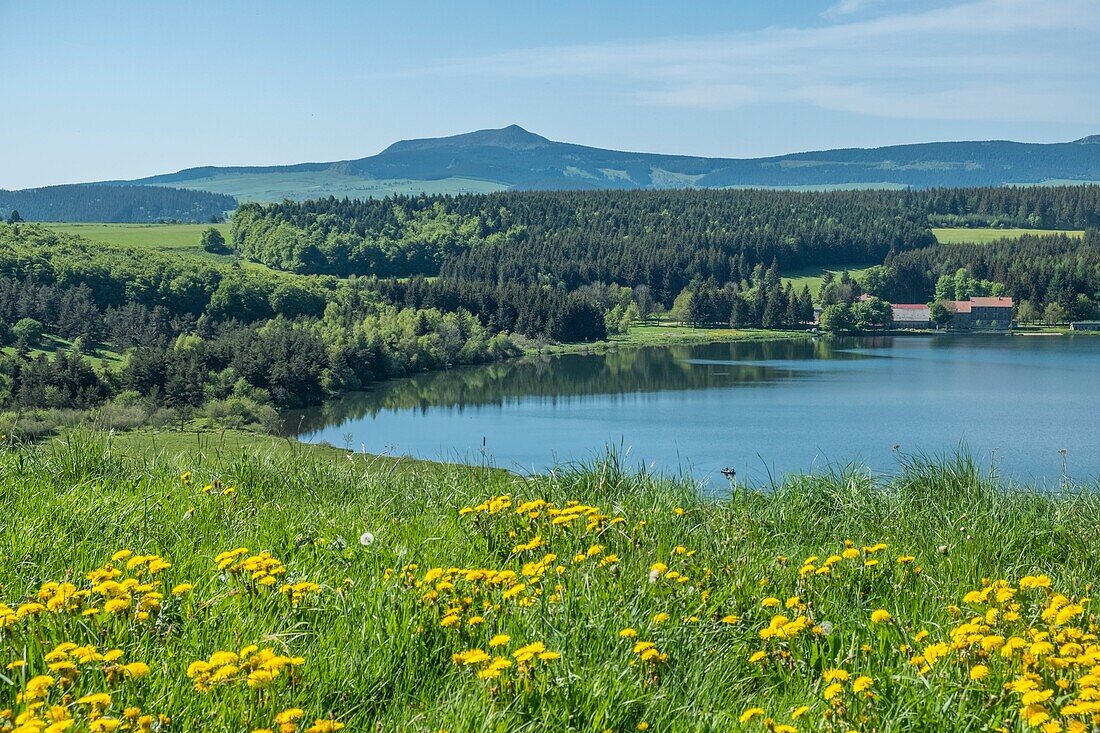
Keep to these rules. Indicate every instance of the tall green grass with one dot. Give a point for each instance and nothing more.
(376, 657)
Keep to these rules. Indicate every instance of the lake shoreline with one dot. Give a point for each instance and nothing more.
(765, 407)
(667, 335)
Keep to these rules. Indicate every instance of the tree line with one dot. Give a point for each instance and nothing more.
(1029, 207)
(96, 202)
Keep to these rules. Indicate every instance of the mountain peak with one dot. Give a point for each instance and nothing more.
(512, 137)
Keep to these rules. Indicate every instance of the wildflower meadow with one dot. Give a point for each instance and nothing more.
(236, 583)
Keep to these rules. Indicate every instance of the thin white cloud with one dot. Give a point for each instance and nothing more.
(851, 7)
(1005, 60)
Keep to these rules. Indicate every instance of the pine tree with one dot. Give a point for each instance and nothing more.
(792, 316)
(737, 312)
(773, 310)
(805, 306)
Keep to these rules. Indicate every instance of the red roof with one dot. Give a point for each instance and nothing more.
(959, 306)
(991, 302)
(909, 306)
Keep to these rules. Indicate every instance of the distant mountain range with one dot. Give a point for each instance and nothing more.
(513, 158)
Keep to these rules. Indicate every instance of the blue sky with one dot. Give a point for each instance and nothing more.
(108, 89)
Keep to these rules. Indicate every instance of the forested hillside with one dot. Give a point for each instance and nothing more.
(662, 239)
(710, 256)
(234, 341)
(115, 204)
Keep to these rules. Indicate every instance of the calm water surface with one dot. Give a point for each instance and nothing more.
(766, 409)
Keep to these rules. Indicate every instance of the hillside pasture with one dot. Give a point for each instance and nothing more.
(173, 239)
(181, 239)
(814, 276)
(982, 235)
(49, 344)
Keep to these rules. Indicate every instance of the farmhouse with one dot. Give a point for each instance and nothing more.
(985, 311)
(911, 315)
(981, 312)
(976, 312)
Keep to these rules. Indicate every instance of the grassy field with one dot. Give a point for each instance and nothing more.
(175, 239)
(180, 239)
(814, 276)
(48, 345)
(233, 582)
(667, 334)
(989, 234)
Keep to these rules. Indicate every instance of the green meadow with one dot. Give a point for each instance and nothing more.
(982, 235)
(174, 239)
(182, 239)
(814, 276)
(222, 581)
(101, 358)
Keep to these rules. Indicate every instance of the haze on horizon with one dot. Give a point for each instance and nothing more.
(126, 89)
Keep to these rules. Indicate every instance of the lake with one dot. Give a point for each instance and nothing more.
(763, 408)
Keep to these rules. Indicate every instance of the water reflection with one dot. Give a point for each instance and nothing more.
(766, 408)
(624, 371)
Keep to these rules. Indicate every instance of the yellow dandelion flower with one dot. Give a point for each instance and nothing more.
(1036, 696)
(1031, 582)
(135, 670)
(750, 714)
(98, 699)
